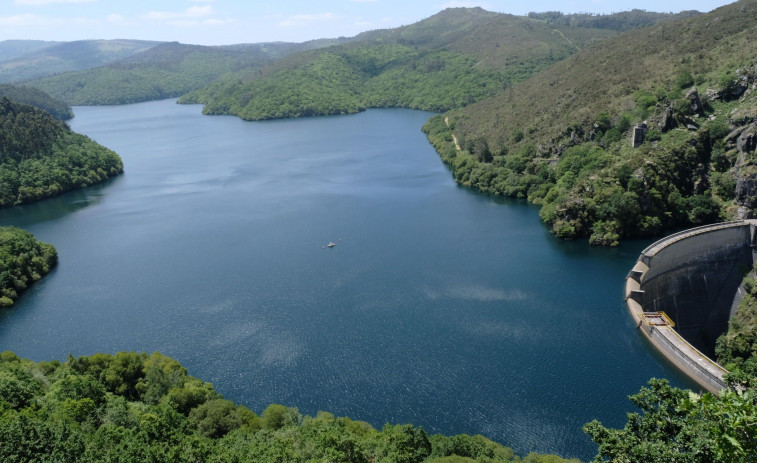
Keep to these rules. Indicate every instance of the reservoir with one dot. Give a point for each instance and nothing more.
(437, 306)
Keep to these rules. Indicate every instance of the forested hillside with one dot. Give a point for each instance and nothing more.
(38, 98)
(452, 59)
(65, 57)
(622, 21)
(563, 138)
(41, 157)
(131, 407)
(23, 260)
(449, 60)
(165, 71)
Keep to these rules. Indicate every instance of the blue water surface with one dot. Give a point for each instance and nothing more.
(438, 306)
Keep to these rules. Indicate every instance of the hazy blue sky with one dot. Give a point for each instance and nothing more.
(216, 22)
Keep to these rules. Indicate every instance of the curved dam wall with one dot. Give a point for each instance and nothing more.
(693, 277)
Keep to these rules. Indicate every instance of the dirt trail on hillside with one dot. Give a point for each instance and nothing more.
(454, 138)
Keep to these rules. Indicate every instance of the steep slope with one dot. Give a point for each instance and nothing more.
(38, 98)
(451, 59)
(562, 138)
(42, 157)
(69, 56)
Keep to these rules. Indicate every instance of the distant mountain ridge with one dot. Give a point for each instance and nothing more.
(445, 44)
(621, 21)
(12, 49)
(165, 70)
(451, 59)
(68, 56)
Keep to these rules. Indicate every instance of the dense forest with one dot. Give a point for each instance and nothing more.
(23, 260)
(449, 60)
(621, 21)
(452, 59)
(131, 407)
(42, 157)
(38, 98)
(562, 139)
(164, 71)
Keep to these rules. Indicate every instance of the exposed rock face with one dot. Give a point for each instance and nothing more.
(744, 213)
(746, 192)
(712, 94)
(668, 120)
(740, 85)
(695, 102)
(747, 140)
(744, 139)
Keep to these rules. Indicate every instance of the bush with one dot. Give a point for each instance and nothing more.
(215, 418)
(684, 80)
(278, 416)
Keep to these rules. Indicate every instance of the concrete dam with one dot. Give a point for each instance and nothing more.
(683, 290)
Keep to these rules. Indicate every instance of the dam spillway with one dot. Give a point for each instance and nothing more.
(693, 278)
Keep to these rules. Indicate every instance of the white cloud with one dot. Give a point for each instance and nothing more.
(199, 11)
(299, 20)
(115, 18)
(49, 2)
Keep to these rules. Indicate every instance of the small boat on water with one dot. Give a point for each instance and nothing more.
(331, 245)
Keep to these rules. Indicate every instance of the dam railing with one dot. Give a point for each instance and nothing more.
(655, 247)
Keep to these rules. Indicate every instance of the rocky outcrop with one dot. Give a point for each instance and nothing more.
(747, 140)
(744, 139)
(739, 85)
(746, 192)
(695, 102)
(712, 94)
(668, 120)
